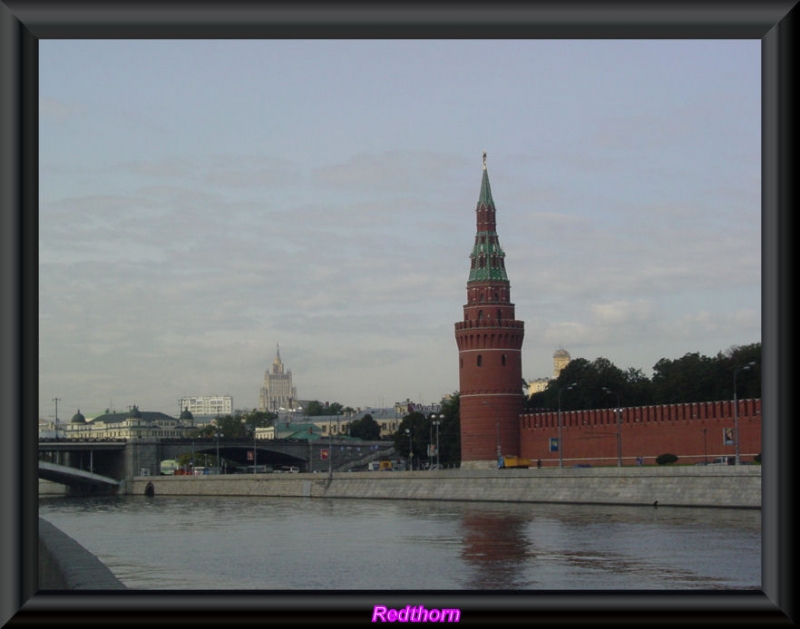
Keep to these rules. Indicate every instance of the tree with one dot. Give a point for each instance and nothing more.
(450, 432)
(365, 428)
(334, 408)
(423, 433)
(413, 444)
(638, 389)
(257, 419)
(315, 408)
(232, 427)
(691, 378)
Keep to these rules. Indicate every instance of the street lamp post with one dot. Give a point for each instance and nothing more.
(330, 448)
(410, 450)
(705, 447)
(436, 423)
(619, 425)
(255, 450)
(560, 424)
(219, 467)
(736, 408)
(56, 399)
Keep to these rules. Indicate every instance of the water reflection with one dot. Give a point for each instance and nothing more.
(495, 549)
(316, 544)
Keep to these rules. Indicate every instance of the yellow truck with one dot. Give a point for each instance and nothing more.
(510, 461)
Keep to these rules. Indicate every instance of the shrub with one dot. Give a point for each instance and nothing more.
(757, 458)
(666, 459)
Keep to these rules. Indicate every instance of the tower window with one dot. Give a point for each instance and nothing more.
(480, 314)
(480, 360)
(503, 360)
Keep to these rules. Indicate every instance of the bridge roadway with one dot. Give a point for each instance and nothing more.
(122, 460)
(73, 477)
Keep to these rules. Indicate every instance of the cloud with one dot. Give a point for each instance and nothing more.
(59, 111)
(622, 312)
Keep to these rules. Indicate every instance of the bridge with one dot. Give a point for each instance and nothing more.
(72, 477)
(122, 460)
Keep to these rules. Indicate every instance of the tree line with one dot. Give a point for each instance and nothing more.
(691, 378)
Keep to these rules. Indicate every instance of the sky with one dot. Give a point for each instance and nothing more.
(204, 202)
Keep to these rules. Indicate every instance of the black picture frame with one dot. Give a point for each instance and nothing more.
(24, 22)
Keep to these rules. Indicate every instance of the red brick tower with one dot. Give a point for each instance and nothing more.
(489, 343)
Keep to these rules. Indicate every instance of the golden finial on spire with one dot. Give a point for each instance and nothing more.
(484, 160)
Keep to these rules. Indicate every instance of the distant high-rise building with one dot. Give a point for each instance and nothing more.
(208, 405)
(561, 359)
(277, 392)
(489, 343)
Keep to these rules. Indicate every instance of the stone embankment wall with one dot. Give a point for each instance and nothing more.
(48, 488)
(66, 565)
(687, 486)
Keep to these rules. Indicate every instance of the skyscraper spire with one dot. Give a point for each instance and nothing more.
(277, 364)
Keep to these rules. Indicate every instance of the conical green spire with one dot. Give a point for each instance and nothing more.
(486, 190)
(487, 257)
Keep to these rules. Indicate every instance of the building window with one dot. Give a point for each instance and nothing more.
(480, 360)
(503, 360)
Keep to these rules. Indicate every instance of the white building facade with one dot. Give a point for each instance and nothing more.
(210, 405)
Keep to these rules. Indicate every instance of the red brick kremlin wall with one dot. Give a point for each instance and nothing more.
(693, 432)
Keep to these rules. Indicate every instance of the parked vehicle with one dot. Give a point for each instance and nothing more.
(510, 461)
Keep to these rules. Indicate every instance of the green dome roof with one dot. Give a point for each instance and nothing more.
(78, 418)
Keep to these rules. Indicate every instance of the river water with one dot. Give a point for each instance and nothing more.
(271, 544)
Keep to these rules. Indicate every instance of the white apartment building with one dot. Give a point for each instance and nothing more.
(210, 405)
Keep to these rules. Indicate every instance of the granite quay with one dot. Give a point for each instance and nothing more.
(678, 486)
(66, 565)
